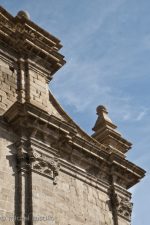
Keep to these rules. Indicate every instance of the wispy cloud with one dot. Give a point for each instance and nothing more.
(141, 115)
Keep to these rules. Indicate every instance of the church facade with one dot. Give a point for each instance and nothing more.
(51, 171)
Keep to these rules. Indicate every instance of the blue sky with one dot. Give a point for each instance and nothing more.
(107, 48)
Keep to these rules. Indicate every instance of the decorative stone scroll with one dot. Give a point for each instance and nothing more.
(123, 206)
(49, 168)
(36, 162)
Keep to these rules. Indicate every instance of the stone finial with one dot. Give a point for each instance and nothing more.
(103, 118)
(23, 14)
(103, 113)
(105, 132)
(101, 109)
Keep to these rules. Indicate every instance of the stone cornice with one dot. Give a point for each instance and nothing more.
(121, 146)
(65, 127)
(92, 159)
(125, 173)
(30, 41)
(83, 176)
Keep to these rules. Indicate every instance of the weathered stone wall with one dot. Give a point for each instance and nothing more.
(8, 86)
(7, 177)
(39, 92)
(70, 202)
(38, 89)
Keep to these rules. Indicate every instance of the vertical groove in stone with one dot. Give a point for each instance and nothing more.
(20, 81)
(27, 82)
(112, 197)
(18, 198)
(114, 211)
(28, 198)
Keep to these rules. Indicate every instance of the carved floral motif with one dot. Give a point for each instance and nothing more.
(123, 206)
(48, 168)
(36, 162)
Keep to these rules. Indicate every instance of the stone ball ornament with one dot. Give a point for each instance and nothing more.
(23, 14)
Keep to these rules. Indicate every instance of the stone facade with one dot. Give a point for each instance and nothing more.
(8, 86)
(51, 171)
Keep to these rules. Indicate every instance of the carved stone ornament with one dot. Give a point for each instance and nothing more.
(36, 162)
(123, 206)
(18, 27)
(23, 36)
(48, 168)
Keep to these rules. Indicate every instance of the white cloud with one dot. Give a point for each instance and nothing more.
(141, 115)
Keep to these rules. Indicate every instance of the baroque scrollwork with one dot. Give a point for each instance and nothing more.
(49, 168)
(123, 206)
(36, 162)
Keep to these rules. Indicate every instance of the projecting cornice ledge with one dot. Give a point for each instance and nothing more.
(124, 172)
(28, 40)
(94, 160)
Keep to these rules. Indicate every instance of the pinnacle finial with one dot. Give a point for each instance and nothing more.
(23, 14)
(105, 132)
(101, 109)
(102, 113)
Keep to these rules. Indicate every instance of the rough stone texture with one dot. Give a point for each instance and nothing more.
(7, 177)
(51, 171)
(8, 86)
(70, 202)
(39, 92)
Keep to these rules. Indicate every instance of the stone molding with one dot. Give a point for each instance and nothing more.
(60, 136)
(27, 39)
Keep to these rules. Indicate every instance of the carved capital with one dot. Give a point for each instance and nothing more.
(23, 163)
